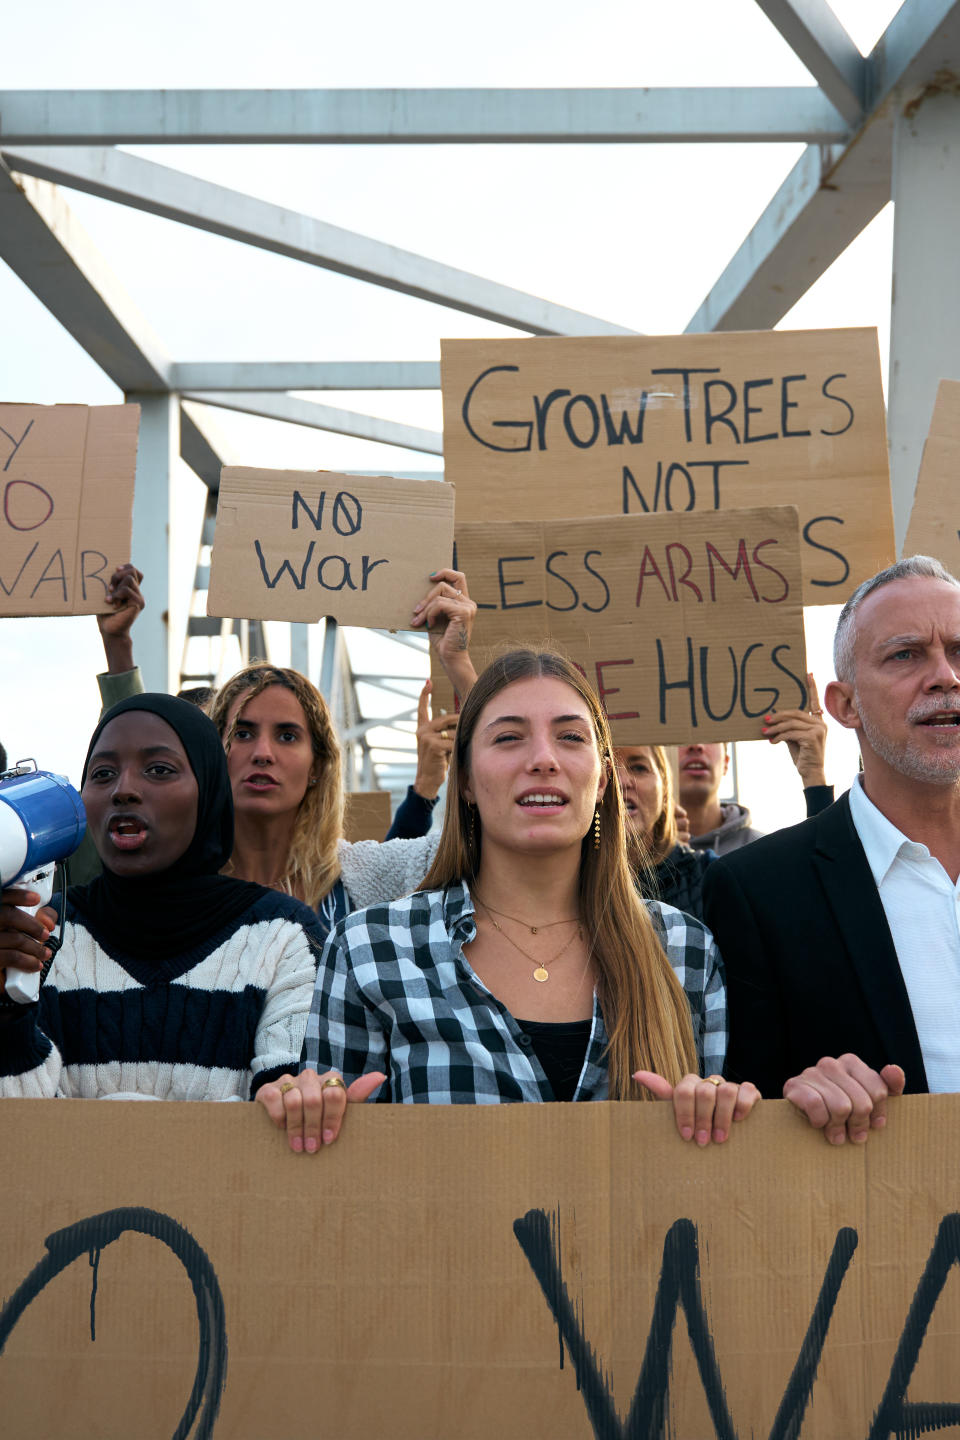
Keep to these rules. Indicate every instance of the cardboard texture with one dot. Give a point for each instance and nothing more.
(469, 1272)
(301, 544)
(935, 516)
(545, 428)
(367, 815)
(67, 475)
(688, 626)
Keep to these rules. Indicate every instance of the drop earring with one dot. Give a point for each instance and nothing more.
(472, 809)
(596, 828)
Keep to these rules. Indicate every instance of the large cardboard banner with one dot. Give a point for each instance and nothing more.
(541, 428)
(688, 626)
(66, 484)
(934, 527)
(565, 1271)
(301, 544)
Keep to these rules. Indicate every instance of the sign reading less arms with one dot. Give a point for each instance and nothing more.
(66, 505)
(643, 425)
(296, 545)
(688, 625)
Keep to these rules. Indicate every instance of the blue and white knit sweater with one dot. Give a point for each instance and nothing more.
(214, 1025)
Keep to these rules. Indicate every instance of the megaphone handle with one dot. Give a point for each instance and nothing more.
(23, 986)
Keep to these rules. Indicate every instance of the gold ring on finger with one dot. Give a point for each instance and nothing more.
(287, 1085)
(714, 1079)
(333, 1082)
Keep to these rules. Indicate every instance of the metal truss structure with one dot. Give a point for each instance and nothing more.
(876, 128)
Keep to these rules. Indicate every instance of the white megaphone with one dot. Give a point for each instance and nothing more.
(42, 821)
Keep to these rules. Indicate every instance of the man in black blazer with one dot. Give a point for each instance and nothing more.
(840, 935)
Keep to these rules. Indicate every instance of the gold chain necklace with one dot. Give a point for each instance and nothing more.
(534, 929)
(540, 971)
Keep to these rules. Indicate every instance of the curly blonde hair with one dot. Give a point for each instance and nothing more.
(644, 1007)
(313, 863)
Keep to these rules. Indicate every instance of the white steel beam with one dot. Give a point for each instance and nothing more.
(159, 190)
(42, 242)
(816, 36)
(307, 375)
(829, 197)
(324, 417)
(925, 315)
(383, 117)
(157, 448)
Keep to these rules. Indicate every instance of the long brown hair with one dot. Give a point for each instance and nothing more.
(312, 863)
(644, 1007)
(663, 832)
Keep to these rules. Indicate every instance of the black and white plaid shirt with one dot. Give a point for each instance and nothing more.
(395, 993)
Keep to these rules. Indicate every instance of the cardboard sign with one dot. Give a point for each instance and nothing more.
(570, 1271)
(541, 428)
(301, 544)
(367, 815)
(66, 483)
(935, 517)
(688, 626)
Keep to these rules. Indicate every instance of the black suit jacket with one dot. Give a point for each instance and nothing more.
(811, 967)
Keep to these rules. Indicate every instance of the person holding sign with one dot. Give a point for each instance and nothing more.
(841, 934)
(526, 968)
(283, 756)
(172, 982)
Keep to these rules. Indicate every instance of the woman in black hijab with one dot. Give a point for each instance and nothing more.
(172, 982)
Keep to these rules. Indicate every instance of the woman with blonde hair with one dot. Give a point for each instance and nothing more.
(283, 755)
(527, 968)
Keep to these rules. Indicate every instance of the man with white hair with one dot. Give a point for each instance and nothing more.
(840, 935)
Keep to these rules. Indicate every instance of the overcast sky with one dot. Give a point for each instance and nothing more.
(634, 234)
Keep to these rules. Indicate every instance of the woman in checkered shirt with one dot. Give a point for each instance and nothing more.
(526, 968)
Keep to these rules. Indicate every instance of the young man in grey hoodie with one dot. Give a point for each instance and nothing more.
(725, 827)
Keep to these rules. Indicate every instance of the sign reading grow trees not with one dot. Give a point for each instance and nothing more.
(66, 505)
(543, 429)
(298, 545)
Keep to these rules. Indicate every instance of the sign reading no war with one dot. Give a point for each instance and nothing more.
(625, 425)
(298, 545)
(66, 505)
(687, 625)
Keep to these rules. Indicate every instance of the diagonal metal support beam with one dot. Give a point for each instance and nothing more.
(324, 417)
(831, 195)
(43, 243)
(816, 36)
(307, 375)
(159, 190)
(414, 117)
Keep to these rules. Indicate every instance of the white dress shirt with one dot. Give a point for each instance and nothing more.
(922, 906)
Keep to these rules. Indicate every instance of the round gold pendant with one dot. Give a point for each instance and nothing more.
(540, 974)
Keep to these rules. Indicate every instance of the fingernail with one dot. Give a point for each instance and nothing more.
(296, 1144)
(859, 1137)
(312, 1145)
(47, 952)
(719, 1136)
(703, 1137)
(768, 718)
(431, 575)
(686, 1132)
(879, 1121)
(837, 1138)
(328, 1137)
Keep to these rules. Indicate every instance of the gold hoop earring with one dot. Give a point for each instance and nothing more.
(596, 828)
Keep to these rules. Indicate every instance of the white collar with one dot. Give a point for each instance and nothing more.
(881, 840)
